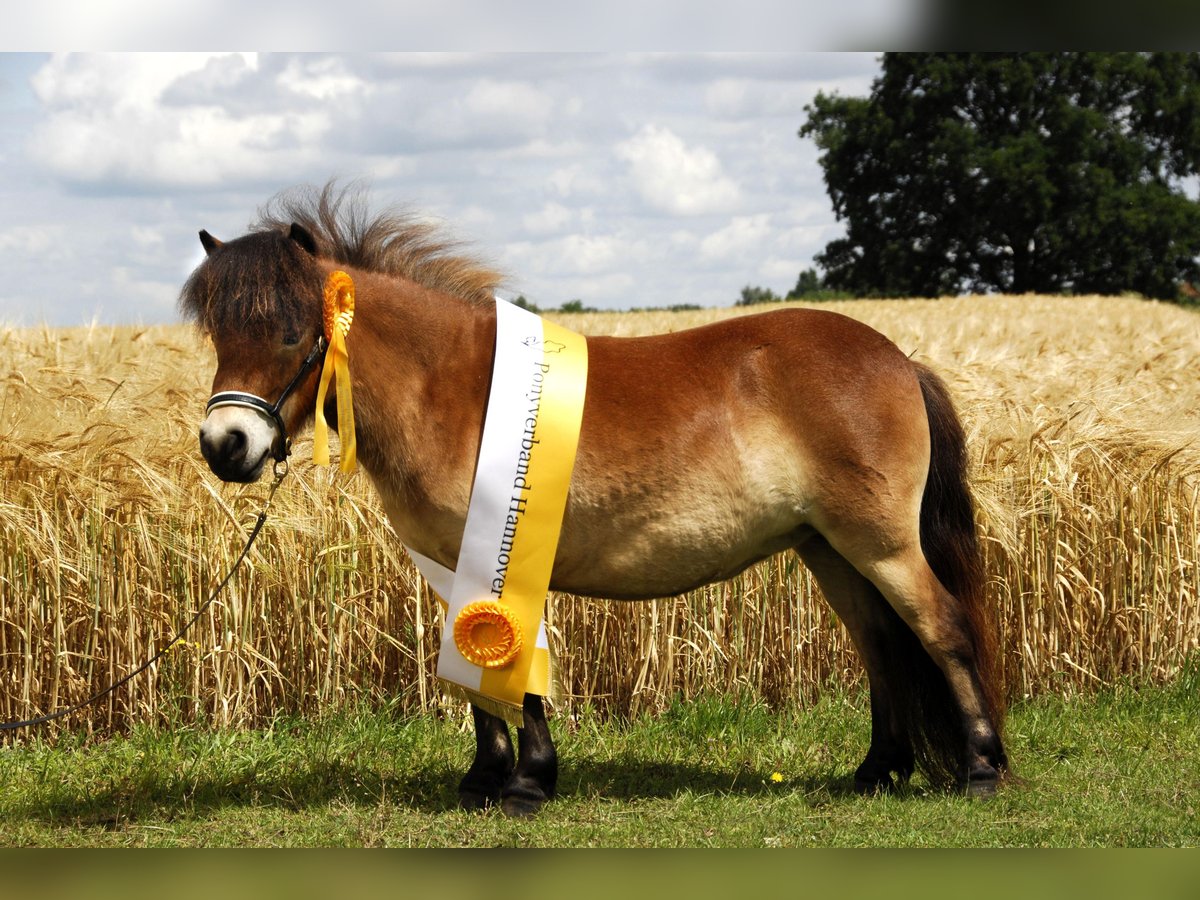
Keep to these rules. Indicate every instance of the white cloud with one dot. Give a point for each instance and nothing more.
(146, 238)
(480, 113)
(775, 93)
(575, 180)
(674, 178)
(119, 80)
(620, 179)
(739, 98)
(609, 285)
(574, 254)
(107, 122)
(474, 216)
(200, 148)
(550, 219)
(743, 235)
(781, 274)
(149, 299)
(325, 78)
(590, 254)
(508, 100)
(28, 240)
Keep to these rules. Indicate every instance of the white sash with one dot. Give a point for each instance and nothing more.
(526, 456)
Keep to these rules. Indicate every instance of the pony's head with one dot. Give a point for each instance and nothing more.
(259, 299)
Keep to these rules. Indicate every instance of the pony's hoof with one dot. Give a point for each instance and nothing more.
(874, 776)
(480, 788)
(873, 787)
(521, 807)
(982, 788)
(981, 781)
(477, 801)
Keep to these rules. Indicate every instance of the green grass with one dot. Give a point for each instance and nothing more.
(1121, 768)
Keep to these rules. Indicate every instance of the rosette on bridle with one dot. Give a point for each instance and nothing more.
(339, 312)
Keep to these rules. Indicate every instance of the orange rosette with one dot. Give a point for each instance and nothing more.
(339, 304)
(338, 314)
(487, 634)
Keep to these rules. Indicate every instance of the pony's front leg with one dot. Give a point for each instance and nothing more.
(534, 780)
(493, 763)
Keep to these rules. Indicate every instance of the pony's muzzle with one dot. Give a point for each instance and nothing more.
(236, 442)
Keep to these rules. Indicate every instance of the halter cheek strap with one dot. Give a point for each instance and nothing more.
(282, 444)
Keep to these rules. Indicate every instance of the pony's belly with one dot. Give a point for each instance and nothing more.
(739, 501)
(622, 557)
(639, 559)
(655, 573)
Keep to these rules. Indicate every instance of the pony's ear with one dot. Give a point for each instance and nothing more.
(301, 236)
(209, 242)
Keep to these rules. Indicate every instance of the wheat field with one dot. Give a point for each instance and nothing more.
(1083, 417)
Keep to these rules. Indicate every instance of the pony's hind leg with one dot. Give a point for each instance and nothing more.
(941, 623)
(875, 629)
(888, 489)
(493, 764)
(931, 649)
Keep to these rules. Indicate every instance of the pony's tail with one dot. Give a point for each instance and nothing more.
(924, 708)
(950, 542)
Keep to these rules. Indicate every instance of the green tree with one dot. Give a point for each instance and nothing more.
(1046, 172)
(575, 306)
(808, 284)
(752, 295)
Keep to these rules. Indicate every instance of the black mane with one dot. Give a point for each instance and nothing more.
(260, 281)
(257, 280)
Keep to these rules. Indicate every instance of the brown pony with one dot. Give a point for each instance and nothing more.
(701, 453)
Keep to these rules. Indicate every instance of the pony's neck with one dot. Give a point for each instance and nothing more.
(420, 363)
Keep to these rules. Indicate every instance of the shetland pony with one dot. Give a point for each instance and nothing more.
(700, 453)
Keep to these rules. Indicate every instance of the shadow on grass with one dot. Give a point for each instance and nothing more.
(426, 787)
(369, 760)
(429, 788)
(638, 779)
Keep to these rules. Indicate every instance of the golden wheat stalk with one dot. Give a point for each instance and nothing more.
(1083, 419)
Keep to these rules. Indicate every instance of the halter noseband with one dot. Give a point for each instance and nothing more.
(282, 445)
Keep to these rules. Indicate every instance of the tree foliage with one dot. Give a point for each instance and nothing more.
(808, 284)
(752, 294)
(1045, 172)
(576, 306)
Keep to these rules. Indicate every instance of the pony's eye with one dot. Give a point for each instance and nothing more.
(290, 339)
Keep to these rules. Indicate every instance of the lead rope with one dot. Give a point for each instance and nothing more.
(280, 470)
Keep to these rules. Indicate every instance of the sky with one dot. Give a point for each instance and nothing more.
(620, 179)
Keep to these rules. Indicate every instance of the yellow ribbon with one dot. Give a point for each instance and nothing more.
(339, 312)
